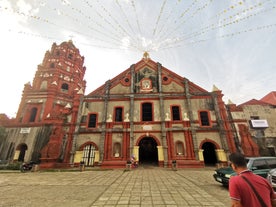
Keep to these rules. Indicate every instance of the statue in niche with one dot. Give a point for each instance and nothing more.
(109, 118)
(167, 118)
(186, 117)
(146, 79)
(126, 117)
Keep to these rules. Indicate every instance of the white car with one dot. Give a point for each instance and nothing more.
(271, 176)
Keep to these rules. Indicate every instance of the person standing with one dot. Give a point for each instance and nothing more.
(247, 189)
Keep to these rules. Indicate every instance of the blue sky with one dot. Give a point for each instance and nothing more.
(230, 44)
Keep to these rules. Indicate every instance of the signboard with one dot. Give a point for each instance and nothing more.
(259, 123)
(25, 130)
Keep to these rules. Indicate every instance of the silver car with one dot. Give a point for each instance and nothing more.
(271, 176)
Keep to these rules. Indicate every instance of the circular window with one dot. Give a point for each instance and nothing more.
(165, 78)
(125, 81)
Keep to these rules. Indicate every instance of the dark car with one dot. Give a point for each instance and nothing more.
(258, 165)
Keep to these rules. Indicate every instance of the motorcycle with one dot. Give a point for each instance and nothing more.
(27, 166)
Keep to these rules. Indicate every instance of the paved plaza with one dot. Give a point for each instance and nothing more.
(144, 186)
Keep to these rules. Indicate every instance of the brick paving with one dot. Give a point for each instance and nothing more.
(144, 186)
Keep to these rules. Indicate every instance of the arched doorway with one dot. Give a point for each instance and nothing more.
(22, 148)
(148, 153)
(88, 155)
(209, 153)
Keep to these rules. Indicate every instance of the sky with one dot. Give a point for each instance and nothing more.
(230, 44)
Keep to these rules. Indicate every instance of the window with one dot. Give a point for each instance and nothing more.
(271, 163)
(33, 114)
(118, 114)
(52, 65)
(92, 120)
(70, 56)
(259, 164)
(175, 113)
(64, 87)
(146, 112)
(204, 118)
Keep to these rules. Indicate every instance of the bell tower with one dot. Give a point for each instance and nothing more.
(54, 98)
(58, 82)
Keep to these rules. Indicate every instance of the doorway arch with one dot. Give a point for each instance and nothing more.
(22, 148)
(148, 153)
(88, 153)
(209, 153)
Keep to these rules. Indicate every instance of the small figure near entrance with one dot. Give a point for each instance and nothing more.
(134, 163)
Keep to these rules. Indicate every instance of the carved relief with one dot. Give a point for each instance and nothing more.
(146, 80)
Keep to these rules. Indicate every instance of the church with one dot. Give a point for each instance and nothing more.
(147, 112)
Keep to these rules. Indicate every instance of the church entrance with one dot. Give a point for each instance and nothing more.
(209, 153)
(88, 155)
(148, 153)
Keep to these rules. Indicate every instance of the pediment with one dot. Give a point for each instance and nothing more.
(145, 78)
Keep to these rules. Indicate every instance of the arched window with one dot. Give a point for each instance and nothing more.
(33, 114)
(70, 56)
(52, 65)
(64, 87)
(117, 149)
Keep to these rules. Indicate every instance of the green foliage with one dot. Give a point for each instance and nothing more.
(11, 166)
(14, 166)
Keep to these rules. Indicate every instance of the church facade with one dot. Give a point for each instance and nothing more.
(147, 112)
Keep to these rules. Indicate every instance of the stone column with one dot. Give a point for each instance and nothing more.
(162, 116)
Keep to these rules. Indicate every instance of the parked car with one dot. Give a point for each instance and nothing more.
(258, 165)
(271, 177)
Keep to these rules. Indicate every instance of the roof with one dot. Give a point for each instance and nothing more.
(254, 102)
(270, 98)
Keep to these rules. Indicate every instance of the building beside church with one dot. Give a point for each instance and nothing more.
(260, 116)
(146, 111)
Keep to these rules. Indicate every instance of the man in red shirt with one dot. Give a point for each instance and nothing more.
(241, 193)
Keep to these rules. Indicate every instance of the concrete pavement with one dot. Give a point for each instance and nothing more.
(144, 186)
